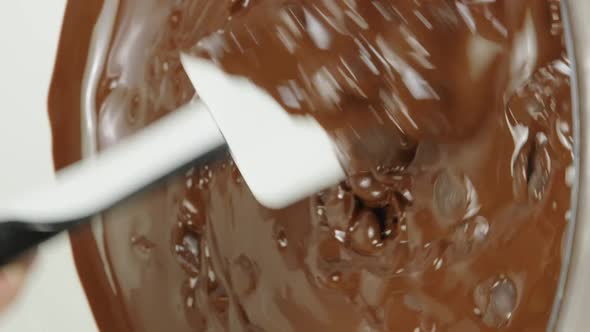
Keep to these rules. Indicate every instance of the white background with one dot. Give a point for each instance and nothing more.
(53, 299)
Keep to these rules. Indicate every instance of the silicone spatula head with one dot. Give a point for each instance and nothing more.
(282, 157)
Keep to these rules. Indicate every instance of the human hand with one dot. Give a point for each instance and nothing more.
(12, 279)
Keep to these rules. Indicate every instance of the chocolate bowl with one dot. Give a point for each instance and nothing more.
(114, 272)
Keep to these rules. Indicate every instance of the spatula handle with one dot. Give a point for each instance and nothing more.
(95, 184)
(17, 238)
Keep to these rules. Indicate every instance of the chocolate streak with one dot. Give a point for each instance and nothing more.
(453, 119)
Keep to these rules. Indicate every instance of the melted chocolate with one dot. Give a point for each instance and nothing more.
(457, 141)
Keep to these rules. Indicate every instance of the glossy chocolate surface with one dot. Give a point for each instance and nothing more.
(453, 119)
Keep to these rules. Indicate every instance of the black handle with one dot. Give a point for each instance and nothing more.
(17, 238)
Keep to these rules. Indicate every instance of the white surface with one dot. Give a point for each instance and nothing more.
(121, 170)
(53, 299)
(283, 158)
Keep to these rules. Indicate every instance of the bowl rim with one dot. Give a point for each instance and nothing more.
(568, 313)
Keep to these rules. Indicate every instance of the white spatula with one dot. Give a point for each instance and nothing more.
(283, 158)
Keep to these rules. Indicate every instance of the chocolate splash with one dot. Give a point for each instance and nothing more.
(457, 140)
